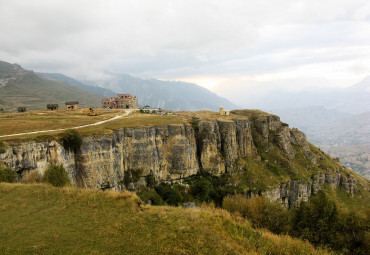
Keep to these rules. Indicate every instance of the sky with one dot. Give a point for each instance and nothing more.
(210, 42)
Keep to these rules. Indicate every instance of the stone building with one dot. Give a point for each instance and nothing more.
(72, 105)
(22, 109)
(52, 107)
(121, 101)
(223, 111)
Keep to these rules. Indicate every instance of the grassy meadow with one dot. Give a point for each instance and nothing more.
(41, 219)
(13, 123)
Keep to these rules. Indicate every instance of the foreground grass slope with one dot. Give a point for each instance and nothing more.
(39, 219)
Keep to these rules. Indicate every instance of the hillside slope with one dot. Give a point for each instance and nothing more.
(170, 95)
(71, 221)
(20, 87)
(93, 89)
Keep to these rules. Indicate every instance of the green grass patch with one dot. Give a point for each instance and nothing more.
(40, 219)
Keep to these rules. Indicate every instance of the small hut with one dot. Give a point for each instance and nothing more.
(52, 107)
(22, 109)
(72, 105)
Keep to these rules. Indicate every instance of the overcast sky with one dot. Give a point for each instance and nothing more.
(207, 41)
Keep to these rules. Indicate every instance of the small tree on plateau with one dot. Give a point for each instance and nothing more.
(71, 139)
(2, 147)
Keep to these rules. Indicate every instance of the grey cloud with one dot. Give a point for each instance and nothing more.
(175, 38)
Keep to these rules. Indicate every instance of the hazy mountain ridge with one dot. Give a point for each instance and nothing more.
(171, 95)
(36, 90)
(76, 83)
(276, 95)
(22, 87)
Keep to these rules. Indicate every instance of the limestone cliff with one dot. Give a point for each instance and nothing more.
(175, 152)
(169, 152)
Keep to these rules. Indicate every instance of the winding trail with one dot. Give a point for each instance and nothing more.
(127, 112)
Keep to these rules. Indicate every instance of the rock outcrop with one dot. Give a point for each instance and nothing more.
(175, 152)
(292, 193)
(169, 152)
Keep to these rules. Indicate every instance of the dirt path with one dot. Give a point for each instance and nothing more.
(127, 112)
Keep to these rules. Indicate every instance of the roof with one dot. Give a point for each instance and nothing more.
(72, 102)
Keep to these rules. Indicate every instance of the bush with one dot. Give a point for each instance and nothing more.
(71, 139)
(56, 175)
(150, 196)
(7, 174)
(2, 147)
(32, 176)
(260, 212)
(206, 187)
(132, 175)
(170, 195)
(150, 180)
(201, 189)
(322, 222)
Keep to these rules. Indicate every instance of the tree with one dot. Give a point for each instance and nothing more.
(7, 174)
(71, 139)
(56, 175)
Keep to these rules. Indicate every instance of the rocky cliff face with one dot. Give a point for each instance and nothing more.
(291, 193)
(175, 152)
(170, 152)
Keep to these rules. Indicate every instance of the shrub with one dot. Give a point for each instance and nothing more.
(315, 220)
(2, 147)
(260, 212)
(150, 196)
(201, 189)
(323, 222)
(7, 174)
(71, 139)
(169, 194)
(32, 176)
(56, 175)
(150, 180)
(132, 175)
(206, 187)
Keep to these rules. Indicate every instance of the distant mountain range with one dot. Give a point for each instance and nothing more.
(277, 95)
(171, 95)
(20, 87)
(93, 89)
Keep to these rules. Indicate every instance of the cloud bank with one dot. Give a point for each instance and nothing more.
(206, 40)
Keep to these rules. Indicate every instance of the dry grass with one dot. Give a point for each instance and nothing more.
(14, 123)
(206, 115)
(32, 176)
(48, 120)
(52, 220)
(134, 120)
